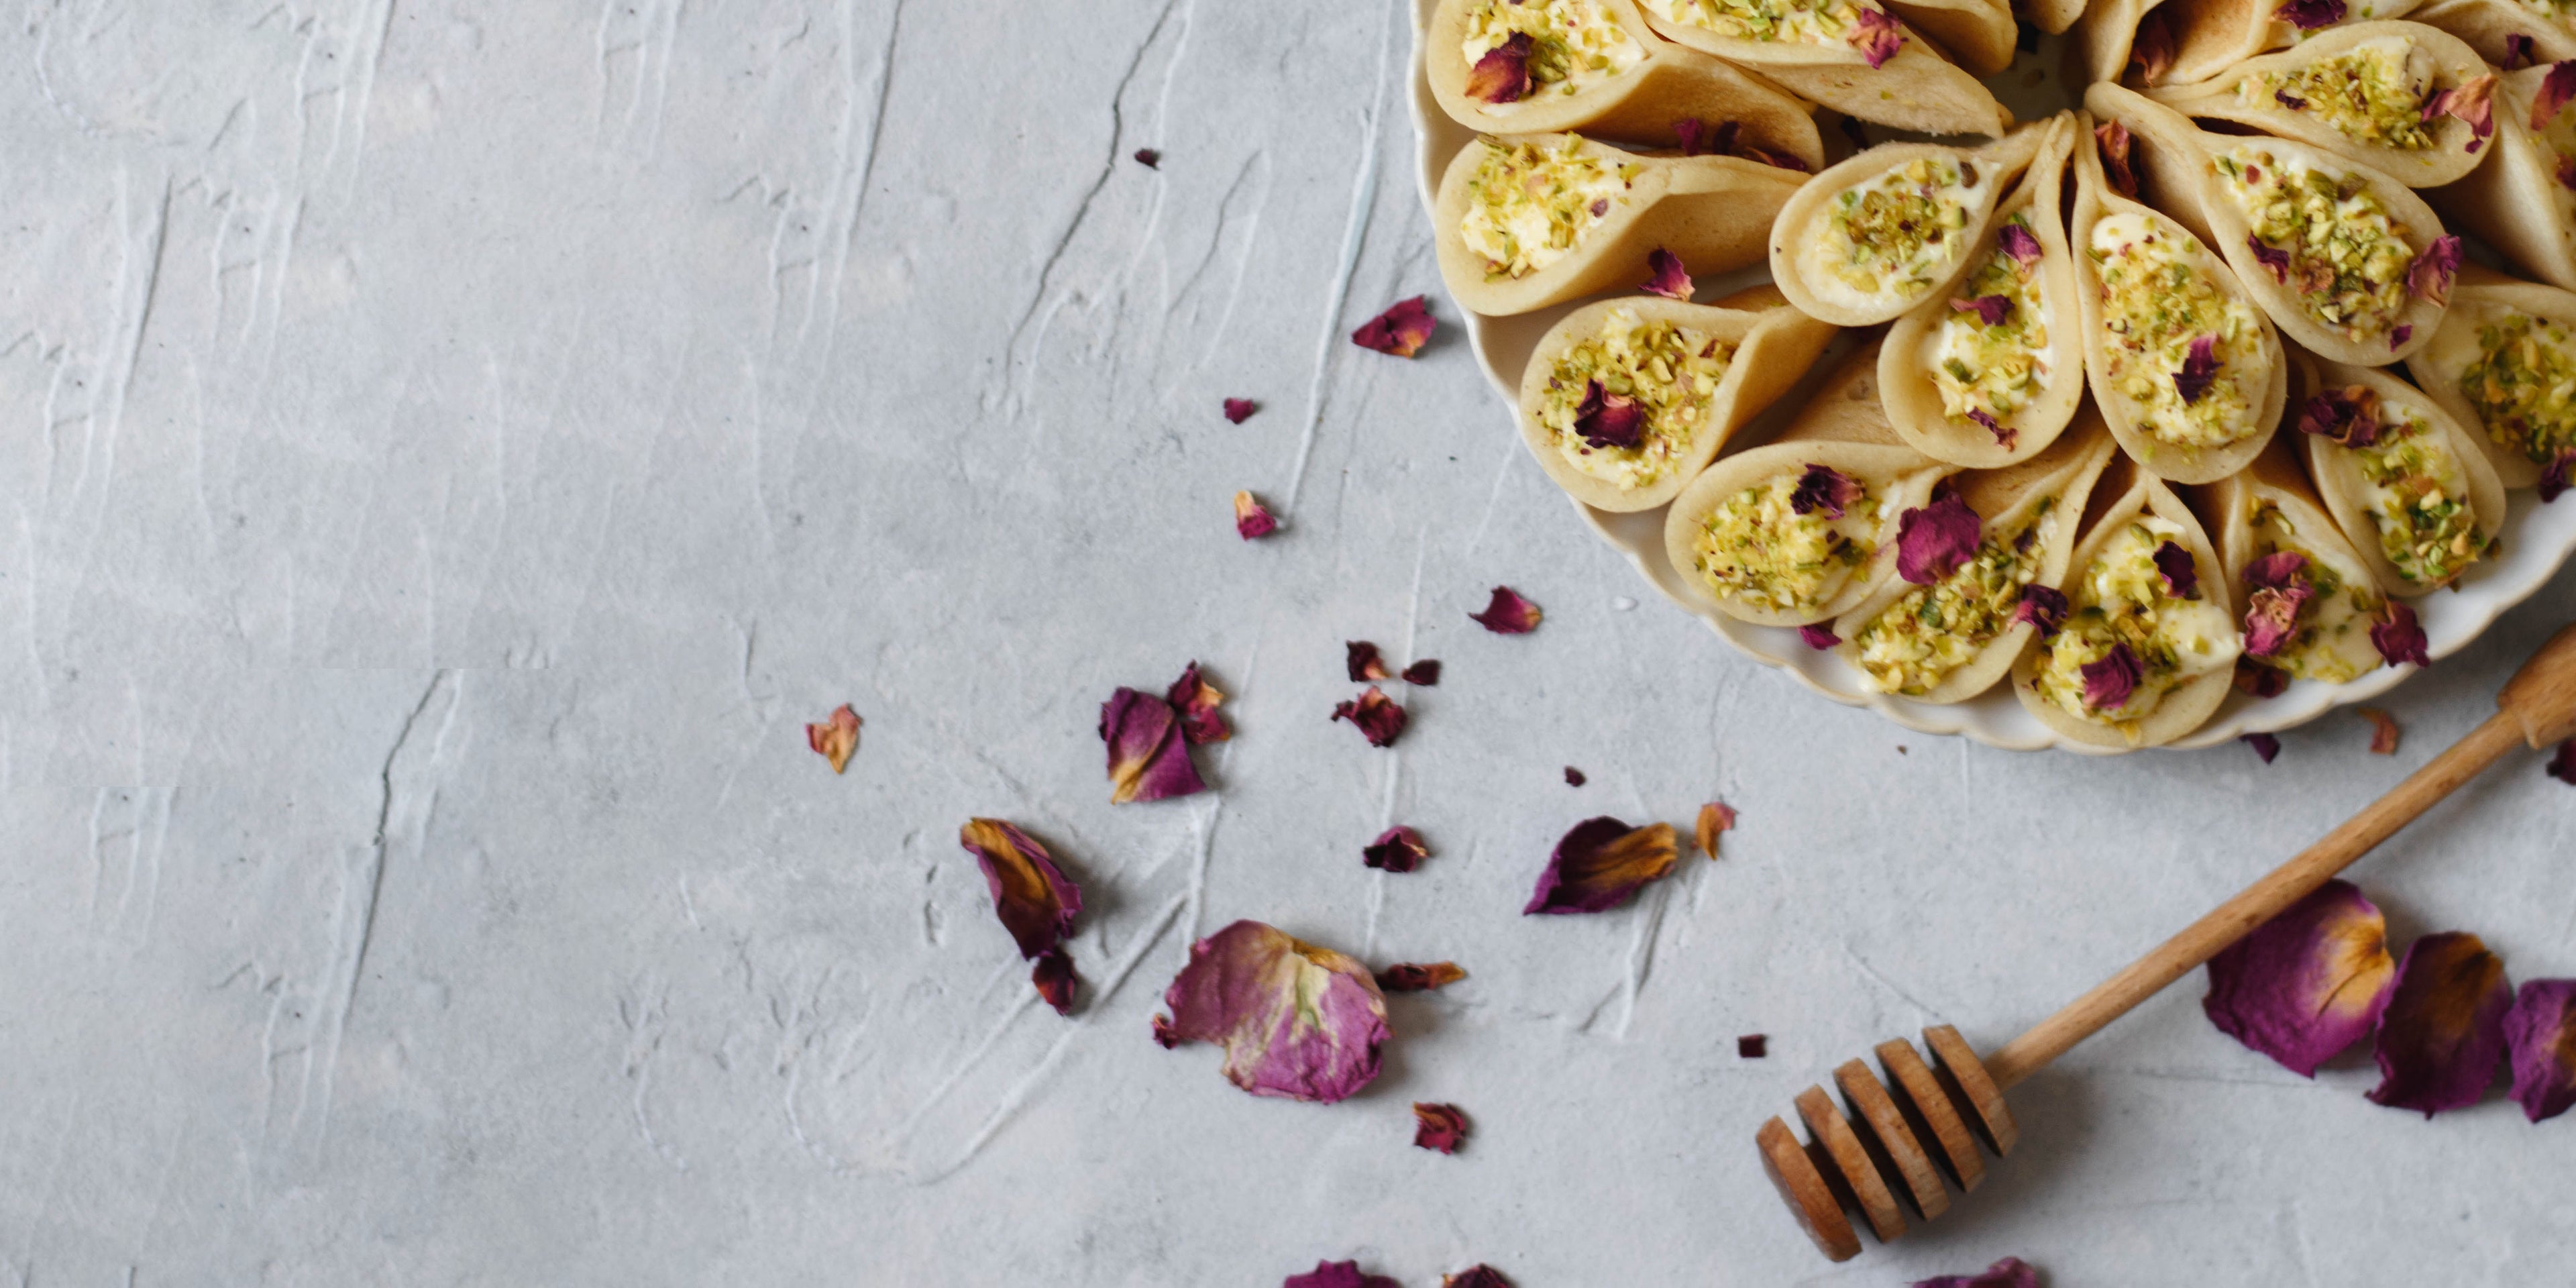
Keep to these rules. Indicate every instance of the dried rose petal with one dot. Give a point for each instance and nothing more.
(2181, 575)
(1699, 138)
(2397, 338)
(2308, 15)
(2383, 731)
(1824, 488)
(1240, 410)
(1818, 637)
(2278, 570)
(2260, 681)
(2264, 745)
(2199, 369)
(1149, 759)
(1054, 978)
(837, 738)
(1507, 613)
(1991, 310)
(1252, 520)
(1438, 1127)
(1933, 540)
(2289, 100)
(2109, 682)
(2115, 141)
(2563, 765)
(1714, 820)
(2018, 242)
(1397, 849)
(2004, 438)
(1411, 977)
(1425, 672)
(2558, 476)
(2473, 102)
(1670, 279)
(2152, 51)
(2430, 275)
(1753, 1046)
(2270, 257)
(1775, 160)
(1374, 714)
(1149, 158)
(1195, 701)
(1600, 863)
(1030, 894)
(1502, 75)
(1609, 420)
(1338, 1274)
(1295, 1019)
(2272, 617)
(2517, 52)
(1402, 330)
(1360, 658)
(2044, 607)
(1476, 1277)
(2399, 637)
(2540, 1047)
(2349, 416)
(2011, 1272)
(2556, 87)
(1573, 776)
(1876, 35)
(2308, 983)
(2443, 1032)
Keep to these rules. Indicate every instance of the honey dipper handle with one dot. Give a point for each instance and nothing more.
(2537, 707)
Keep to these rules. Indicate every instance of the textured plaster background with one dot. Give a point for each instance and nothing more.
(452, 445)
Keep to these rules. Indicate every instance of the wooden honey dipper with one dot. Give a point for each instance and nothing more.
(1865, 1161)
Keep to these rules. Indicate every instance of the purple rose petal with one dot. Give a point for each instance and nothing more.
(2349, 416)
(2115, 143)
(1402, 330)
(1030, 894)
(2271, 257)
(2272, 617)
(1991, 310)
(1195, 701)
(1818, 637)
(2557, 476)
(2517, 52)
(2429, 277)
(1338, 1274)
(2264, 745)
(1503, 75)
(1822, 487)
(2310, 982)
(2180, 573)
(2043, 607)
(2399, 636)
(2472, 101)
(2540, 1047)
(1670, 279)
(2556, 87)
(2011, 1272)
(2442, 1034)
(1600, 863)
(2308, 15)
(1876, 35)
(1507, 613)
(2018, 242)
(1149, 758)
(1609, 420)
(2199, 369)
(1932, 541)
(1240, 410)
(1397, 849)
(1375, 715)
(1361, 662)
(2109, 682)
(1252, 519)
(1054, 979)
(1295, 1019)
(2005, 438)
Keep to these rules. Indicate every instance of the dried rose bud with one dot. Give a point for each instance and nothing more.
(2011, 1272)
(1338, 1274)
(1438, 1127)
(2307, 984)
(1507, 613)
(1818, 637)
(1991, 310)
(2383, 731)
(1932, 541)
(1195, 701)
(1413, 977)
(1715, 820)
(2115, 141)
(1397, 849)
(1149, 758)
(1374, 714)
(1402, 330)
(1600, 864)
(1425, 672)
(2399, 636)
(2540, 1047)
(2109, 682)
(2199, 369)
(2043, 607)
(1252, 520)
(1030, 894)
(837, 738)
(1503, 75)
(1826, 489)
(1670, 279)
(1240, 410)
(2264, 745)
(2443, 1032)
(1876, 35)
(1360, 659)
(1295, 1019)
(2429, 277)
(2308, 15)
(1055, 980)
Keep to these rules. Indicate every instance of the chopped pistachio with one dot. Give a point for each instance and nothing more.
(1574, 43)
(1931, 631)
(1805, 22)
(2372, 93)
(2159, 294)
(1756, 548)
(1997, 369)
(2121, 600)
(2336, 614)
(1672, 370)
(2417, 494)
(2523, 385)
(1895, 233)
(1530, 205)
(2348, 258)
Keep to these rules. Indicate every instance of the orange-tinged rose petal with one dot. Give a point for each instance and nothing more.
(836, 739)
(1714, 820)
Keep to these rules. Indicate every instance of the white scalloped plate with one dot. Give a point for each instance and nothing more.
(2537, 538)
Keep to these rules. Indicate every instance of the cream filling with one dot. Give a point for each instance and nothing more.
(2151, 318)
(2336, 626)
(1588, 46)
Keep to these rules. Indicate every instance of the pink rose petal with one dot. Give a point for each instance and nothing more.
(2442, 1035)
(1149, 759)
(1991, 310)
(1240, 410)
(1055, 980)
(2310, 982)
(1600, 864)
(1876, 35)
(2109, 682)
(1824, 488)
(1252, 520)
(2429, 277)
(2556, 87)
(1402, 330)
(2152, 50)
(1425, 672)
(1397, 849)
(1438, 1127)
(2399, 636)
(1476, 1277)
(2472, 101)
(2011, 1272)
(2308, 15)
(1195, 701)
(2044, 607)
(1360, 658)
(2018, 242)
(1670, 279)
(1609, 420)
(1507, 613)
(2271, 257)
(2540, 1047)
(2115, 143)
(1338, 1274)
(2518, 52)
(1030, 894)
(837, 738)
(1818, 637)
(1295, 1019)
(1375, 715)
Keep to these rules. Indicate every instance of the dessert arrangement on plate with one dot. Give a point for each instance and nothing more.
(2230, 382)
